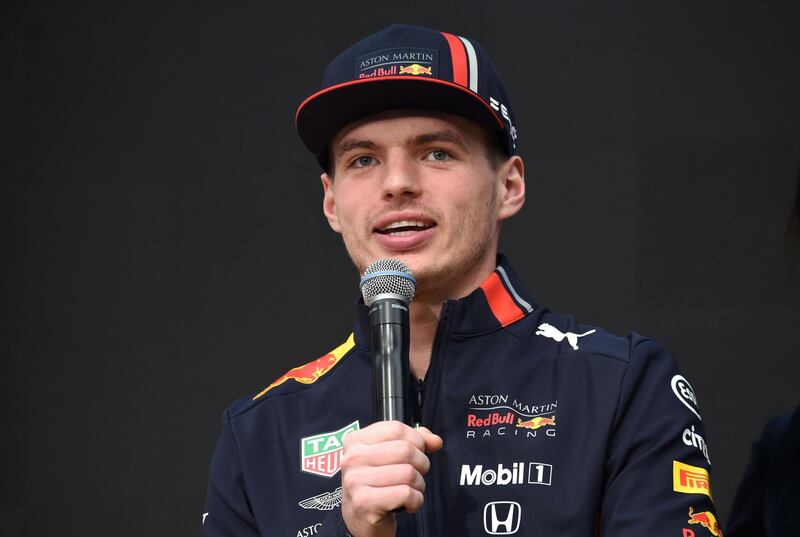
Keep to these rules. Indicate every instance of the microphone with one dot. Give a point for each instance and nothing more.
(388, 287)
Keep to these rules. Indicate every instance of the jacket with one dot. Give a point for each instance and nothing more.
(766, 500)
(550, 427)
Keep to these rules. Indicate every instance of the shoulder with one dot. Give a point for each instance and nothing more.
(297, 379)
(564, 334)
(780, 428)
(780, 439)
(632, 364)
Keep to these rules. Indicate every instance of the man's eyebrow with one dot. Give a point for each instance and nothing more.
(348, 145)
(447, 135)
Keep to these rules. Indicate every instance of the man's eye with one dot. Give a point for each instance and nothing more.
(438, 155)
(363, 162)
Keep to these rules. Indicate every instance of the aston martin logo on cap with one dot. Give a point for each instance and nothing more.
(397, 61)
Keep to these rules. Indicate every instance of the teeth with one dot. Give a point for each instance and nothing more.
(404, 223)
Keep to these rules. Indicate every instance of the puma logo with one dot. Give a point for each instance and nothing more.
(548, 330)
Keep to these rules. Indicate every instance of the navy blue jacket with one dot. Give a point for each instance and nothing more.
(767, 500)
(550, 427)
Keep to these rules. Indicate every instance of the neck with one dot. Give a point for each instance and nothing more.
(424, 318)
(424, 312)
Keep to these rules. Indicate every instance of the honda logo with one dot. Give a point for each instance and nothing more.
(501, 518)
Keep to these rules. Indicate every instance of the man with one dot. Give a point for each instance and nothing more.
(530, 423)
(767, 497)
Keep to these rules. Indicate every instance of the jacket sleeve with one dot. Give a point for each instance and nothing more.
(227, 510)
(657, 473)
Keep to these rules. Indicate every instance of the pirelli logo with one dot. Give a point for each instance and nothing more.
(690, 479)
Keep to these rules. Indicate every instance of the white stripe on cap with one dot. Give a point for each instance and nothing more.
(473, 64)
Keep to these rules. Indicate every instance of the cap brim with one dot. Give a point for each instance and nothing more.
(324, 113)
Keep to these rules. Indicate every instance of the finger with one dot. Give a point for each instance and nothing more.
(386, 453)
(384, 476)
(433, 442)
(384, 431)
(383, 500)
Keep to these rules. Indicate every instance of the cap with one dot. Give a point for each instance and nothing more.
(406, 66)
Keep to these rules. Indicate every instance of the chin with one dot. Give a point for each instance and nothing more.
(428, 274)
(420, 268)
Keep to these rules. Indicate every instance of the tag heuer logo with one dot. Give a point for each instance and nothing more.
(321, 454)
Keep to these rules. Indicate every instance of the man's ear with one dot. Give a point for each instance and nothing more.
(328, 203)
(511, 175)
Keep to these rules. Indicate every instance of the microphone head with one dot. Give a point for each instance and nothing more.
(388, 276)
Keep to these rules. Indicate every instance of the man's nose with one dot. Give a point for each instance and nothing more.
(401, 177)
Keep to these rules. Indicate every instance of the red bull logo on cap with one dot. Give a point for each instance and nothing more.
(380, 71)
(312, 371)
(707, 520)
(397, 61)
(416, 69)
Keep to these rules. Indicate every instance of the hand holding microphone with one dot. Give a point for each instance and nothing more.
(383, 465)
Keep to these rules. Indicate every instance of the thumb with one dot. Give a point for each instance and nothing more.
(433, 442)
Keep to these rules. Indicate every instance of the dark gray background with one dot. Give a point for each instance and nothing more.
(164, 252)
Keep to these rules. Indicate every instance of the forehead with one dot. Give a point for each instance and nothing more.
(401, 125)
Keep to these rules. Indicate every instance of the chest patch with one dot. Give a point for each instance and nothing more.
(321, 454)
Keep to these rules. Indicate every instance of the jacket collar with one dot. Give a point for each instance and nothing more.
(498, 302)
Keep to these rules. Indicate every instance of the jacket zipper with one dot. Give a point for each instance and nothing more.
(421, 385)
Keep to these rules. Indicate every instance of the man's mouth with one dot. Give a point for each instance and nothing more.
(403, 228)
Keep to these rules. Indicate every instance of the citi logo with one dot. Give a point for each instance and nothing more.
(535, 473)
(502, 518)
(691, 438)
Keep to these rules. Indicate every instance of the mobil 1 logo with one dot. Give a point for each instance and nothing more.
(517, 473)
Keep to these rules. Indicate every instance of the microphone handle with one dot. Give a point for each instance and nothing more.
(389, 342)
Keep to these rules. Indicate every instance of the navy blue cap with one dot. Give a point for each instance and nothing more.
(405, 66)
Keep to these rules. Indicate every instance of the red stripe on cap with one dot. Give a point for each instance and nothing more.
(500, 302)
(459, 57)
